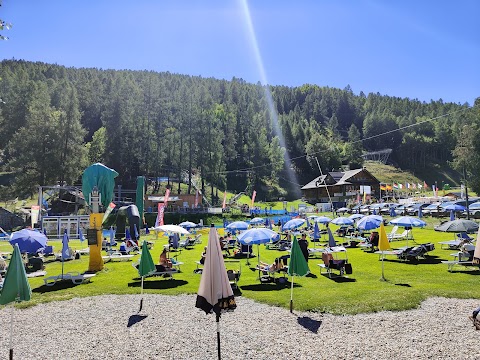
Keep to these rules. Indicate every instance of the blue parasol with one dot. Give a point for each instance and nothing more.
(29, 241)
(342, 221)
(237, 225)
(316, 232)
(369, 222)
(293, 224)
(331, 239)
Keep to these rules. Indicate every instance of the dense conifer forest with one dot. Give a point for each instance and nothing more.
(55, 121)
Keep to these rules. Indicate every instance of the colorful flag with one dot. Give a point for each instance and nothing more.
(389, 187)
(419, 186)
(253, 197)
(383, 187)
(161, 210)
(110, 207)
(395, 185)
(433, 189)
(224, 204)
(407, 185)
(364, 197)
(167, 195)
(196, 199)
(358, 198)
(425, 186)
(414, 186)
(400, 186)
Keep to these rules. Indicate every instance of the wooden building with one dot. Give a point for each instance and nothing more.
(342, 186)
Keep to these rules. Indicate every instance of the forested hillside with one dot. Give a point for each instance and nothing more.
(55, 121)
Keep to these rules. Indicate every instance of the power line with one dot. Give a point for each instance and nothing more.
(353, 142)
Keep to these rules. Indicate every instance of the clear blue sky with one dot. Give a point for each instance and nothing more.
(408, 48)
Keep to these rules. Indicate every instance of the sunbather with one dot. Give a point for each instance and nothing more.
(164, 263)
(204, 254)
(277, 265)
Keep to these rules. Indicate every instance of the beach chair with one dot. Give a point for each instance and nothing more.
(406, 234)
(416, 253)
(393, 232)
(188, 243)
(117, 256)
(335, 259)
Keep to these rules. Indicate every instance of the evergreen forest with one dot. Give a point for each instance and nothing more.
(228, 134)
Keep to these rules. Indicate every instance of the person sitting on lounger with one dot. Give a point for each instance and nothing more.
(204, 254)
(270, 268)
(374, 238)
(164, 263)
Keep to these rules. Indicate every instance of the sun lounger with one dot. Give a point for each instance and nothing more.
(332, 261)
(167, 273)
(117, 256)
(407, 234)
(85, 251)
(74, 277)
(37, 273)
(466, 264)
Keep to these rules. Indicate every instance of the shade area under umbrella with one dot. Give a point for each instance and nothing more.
(257, 236)
(29, 241)
(458, 226)
(342, 221)
(293, 224)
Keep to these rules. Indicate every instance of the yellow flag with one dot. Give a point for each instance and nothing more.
(383, 243)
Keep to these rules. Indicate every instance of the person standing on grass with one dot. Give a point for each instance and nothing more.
(304, 246)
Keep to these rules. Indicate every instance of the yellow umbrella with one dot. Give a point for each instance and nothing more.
(383, 244)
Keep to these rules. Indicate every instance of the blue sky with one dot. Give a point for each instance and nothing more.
(416, 49)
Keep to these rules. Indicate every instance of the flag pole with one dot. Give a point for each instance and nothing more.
(383, 276)
(141, 300)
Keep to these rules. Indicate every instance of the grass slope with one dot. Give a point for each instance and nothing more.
(408, 283)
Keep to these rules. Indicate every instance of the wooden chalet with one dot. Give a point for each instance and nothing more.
(342, 186)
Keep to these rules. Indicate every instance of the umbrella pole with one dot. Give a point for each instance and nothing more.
(291, 296)
(11, 335)
(383, 276)
(218, 336)
(141, 300)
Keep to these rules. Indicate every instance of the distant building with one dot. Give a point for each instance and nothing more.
(342, 186)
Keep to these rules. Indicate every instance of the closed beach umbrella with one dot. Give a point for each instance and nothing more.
(80, 235)
(15, 287)
(420, 212)
(145, 267)
(147, 231)
(452, 215)
(112, 236)
(316, 232)
(137, 236)
(476, 253)
(65, 249)
(215, 295)
(293, 224)
(127, 234)
(392, 212)
(297, 266)
(383, 244)
(29, 241)
(331, 239)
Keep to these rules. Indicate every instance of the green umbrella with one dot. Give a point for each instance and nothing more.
(297, 266)
(15, 287)
(145, 267)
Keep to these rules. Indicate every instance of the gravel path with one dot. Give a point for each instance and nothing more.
(98, 328)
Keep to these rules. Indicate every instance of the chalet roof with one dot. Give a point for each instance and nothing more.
(315, 183)
(340, 178)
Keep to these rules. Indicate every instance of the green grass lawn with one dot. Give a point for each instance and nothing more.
(408, 283)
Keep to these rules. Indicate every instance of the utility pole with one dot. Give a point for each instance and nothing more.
(466, 191)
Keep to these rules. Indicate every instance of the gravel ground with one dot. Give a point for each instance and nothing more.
(170, 327)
